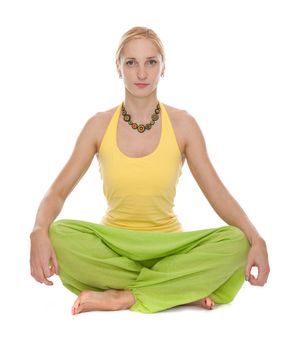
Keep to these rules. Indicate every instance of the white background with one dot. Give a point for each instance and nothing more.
(227, 66)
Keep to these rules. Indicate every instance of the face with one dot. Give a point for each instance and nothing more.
(140, 63)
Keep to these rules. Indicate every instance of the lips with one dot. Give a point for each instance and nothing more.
(141, 84)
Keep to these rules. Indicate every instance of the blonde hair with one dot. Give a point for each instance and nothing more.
(136, 33)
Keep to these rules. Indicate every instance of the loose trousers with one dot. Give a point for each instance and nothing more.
(162, 269)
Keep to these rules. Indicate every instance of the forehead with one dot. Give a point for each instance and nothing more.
(140, 48)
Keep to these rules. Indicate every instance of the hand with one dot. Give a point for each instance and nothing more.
(43, 262)
(258, 257)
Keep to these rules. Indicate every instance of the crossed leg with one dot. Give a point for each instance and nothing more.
(113, 299)
(92, 265)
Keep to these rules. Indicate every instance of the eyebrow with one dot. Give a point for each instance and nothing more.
(135, 58)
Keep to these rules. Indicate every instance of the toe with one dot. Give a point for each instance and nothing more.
(75, 307)
(77, 303)
(208, 303)
(205, 302)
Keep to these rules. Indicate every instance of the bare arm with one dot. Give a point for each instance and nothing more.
(75, 168)
(43, 261)
(223, 202)
(210, 183)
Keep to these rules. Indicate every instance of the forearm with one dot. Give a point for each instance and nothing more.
(230, 211)
(48, 210)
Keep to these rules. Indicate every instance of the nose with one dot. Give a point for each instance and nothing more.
(141, 73)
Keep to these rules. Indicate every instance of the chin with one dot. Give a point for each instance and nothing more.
(138, 92)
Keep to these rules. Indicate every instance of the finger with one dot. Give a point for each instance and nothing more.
(46, 281)
(53, 270)
(47, 273)
(248, 270)
(262, 276)
(254, 281)
(37, 279)
(54, 263)
(35, 276)
(38, 275)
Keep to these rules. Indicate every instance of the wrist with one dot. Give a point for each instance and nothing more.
(257, 240)
(252, 235)
(39, 231)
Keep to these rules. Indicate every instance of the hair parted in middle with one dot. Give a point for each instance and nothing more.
(137, 33)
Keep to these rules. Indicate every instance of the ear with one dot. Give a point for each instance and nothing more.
(118, 69)
(163, 70)
(119, 72)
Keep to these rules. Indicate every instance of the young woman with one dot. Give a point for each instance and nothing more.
(138, 257)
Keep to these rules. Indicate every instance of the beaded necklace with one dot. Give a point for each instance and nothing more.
(141, 127)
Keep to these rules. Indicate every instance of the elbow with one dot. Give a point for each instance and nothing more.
(56, 195)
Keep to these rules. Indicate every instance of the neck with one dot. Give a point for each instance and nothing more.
(140, 108)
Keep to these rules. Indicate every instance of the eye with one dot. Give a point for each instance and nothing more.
(129, 63)
(152, 62)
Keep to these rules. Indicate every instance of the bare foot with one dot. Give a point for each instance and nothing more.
(108, 300)
(206, 303)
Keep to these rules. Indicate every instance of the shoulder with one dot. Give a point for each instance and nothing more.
(184, 122)
(96, 125)
(100, 120)
(180, 116)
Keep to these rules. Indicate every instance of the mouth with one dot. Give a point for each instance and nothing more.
(141, 85)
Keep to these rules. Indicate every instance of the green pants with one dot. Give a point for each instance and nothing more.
(162, 269)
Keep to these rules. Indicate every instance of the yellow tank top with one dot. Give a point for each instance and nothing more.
(140, 191)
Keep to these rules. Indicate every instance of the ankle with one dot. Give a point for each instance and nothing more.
(126, 299)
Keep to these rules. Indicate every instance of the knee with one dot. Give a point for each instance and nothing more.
(55, 229)
(238, 234)
(58, 234)
(242, 244)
